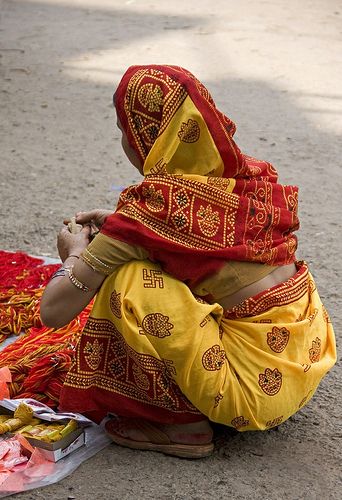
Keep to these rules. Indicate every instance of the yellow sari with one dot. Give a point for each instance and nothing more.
(251, 367)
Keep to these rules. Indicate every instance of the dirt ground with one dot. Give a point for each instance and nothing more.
(274, 67)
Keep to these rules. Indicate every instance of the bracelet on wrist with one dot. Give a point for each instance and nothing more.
(60, 272)
(76, 282)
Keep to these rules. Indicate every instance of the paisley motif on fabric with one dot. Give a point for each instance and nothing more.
(278, 338)
(239, 422)
(93, 352)
(208, 220)
(141, 379)
(150, 96)
(154, 199)
(156, 324)
(214, 358)
(189, 131)
(219, 182)
(115, 304)
(315, 351)
(270, 381)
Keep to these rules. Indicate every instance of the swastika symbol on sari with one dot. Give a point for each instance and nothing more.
(153, 278)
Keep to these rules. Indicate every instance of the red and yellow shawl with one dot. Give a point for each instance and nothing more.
(202, 202)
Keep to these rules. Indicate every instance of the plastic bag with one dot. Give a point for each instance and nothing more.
(38, 472)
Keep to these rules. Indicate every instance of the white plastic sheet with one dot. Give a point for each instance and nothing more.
(44, 474)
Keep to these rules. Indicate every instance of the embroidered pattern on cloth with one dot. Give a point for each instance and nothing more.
(284, 294)
(315, 351)
(153, 278)
(148, 93)
(239, 422)
(273, 423)
(115, 304)
(189, 131)
(278, 338)
(214, 358)
(156, 324)
(173, 125)
(197, 217)
(122, 370)
(270, 381)
(130, 366)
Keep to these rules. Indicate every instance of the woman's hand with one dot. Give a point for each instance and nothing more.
(72, 244)
(94, 217)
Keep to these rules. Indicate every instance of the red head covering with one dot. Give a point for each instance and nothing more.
(202, 201)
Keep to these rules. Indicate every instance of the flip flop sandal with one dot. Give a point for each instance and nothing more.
(157, 439)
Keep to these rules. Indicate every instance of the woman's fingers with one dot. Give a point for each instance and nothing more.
(96, 217)
(86, 230)
(72, 244)
(86, 217)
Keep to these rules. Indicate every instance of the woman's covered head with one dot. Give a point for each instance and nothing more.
(173, 126)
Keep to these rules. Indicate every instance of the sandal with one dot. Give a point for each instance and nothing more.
(157, 439)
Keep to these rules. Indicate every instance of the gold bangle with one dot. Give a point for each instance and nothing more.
(77, 283)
